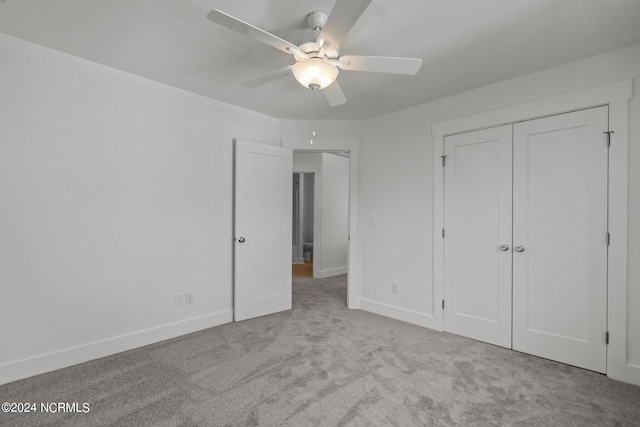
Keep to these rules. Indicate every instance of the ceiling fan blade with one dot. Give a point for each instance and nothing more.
(379, 64)
(334, 94)
(269, 77)
(343, 16)
(254, 32)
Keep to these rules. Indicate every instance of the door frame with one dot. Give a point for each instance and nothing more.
(350, 146)
(616, 96)
(299, 213)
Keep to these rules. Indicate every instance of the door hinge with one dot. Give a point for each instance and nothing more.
(444, 160)
(443, 233)
(606, 337)
(608, 238)
(443, 304)
(608, 132)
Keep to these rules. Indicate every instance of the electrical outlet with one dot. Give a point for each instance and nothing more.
(345, 257)
(188, 298)
(179, 299)
(394, 288)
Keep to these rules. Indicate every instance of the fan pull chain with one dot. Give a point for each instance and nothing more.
(313, 117)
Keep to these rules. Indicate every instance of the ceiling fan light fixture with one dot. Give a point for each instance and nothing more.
(315, 73)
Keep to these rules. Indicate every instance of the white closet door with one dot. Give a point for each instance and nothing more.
(560, 223)
(478, 195)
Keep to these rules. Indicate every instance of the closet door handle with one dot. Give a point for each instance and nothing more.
(504, 247)
(241, 240)
(519, 248)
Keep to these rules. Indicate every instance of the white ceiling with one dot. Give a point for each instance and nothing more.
(464, 44)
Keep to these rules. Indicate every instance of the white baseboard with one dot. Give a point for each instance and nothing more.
(72, 356)
(625, 372)
(329, 272)
(398, 313)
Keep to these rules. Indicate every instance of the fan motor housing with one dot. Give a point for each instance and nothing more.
(308, 41)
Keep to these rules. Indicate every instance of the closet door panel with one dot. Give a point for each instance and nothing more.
(560, 223)
(478, 221)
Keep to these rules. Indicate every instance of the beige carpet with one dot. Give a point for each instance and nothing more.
(322, 364)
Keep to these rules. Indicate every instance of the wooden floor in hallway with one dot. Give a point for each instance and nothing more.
(302, 270)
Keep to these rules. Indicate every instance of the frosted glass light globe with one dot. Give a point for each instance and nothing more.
(315, 73)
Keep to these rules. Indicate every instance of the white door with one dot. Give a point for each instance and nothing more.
(477, 255)
(560, 238)
(262, 227)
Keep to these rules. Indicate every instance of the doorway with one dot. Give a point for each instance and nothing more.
(252, 184)
(350, 147)
(320, 214)
(302, 245)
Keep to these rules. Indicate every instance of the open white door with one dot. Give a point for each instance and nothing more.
(262, 270)
(477, 257)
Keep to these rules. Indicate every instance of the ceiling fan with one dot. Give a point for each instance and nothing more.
(317, 54)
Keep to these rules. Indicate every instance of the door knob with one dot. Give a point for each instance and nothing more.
(241, 240)
(504, 247)
(519, 248)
